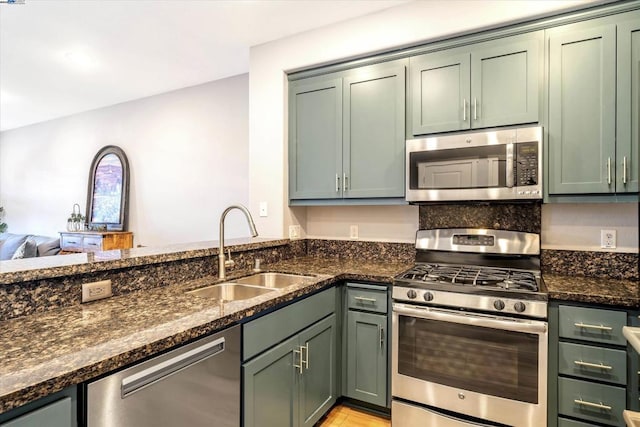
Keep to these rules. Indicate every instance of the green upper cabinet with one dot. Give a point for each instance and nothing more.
(593, 106)
(487, 84)
(315, 139)
(628, 109)
(346, 135)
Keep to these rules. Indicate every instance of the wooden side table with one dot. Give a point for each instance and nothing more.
(92, 241)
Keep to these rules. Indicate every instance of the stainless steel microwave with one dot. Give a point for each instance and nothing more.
(501, 164)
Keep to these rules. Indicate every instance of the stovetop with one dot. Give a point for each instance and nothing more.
(471, 275)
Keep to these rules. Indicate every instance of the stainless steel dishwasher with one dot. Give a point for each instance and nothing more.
(195, 385)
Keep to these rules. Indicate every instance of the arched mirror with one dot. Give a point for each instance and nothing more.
(108, 192)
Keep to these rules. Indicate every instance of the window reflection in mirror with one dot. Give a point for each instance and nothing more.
(108, 192)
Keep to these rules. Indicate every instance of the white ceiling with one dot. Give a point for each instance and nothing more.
(138, 48)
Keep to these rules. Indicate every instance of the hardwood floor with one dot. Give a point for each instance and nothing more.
(344, 416)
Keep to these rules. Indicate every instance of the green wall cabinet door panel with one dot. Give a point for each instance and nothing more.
(367, 357)
(505, 81)
(628, 108)
(315, 138)
(440, 91)
(346, 136)
(318, 390)
(487, 84)
(373, 132)
(582, 87)
(271, 387)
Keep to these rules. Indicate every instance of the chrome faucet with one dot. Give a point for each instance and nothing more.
(222, 262)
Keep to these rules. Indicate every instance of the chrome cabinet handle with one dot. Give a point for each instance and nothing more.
(624, 170)
(381, 337)
(305, 362)
(337, 183)
(475, 108)
(464, 109)
(299, 366)
(591, 404)
(609, 170)
(593, 365)
(345, 183)
(365, 299)
(598, 327)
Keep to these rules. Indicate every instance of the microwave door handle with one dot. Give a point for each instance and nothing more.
(533, 327)
(510, 164)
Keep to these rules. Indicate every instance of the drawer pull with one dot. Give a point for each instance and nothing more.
(365, 299)
(592, 405)
(598, 327)
(592, 365)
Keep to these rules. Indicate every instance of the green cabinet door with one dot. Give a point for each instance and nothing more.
(373, 135)
(367, 357)
(56, 414)
(271, 387)
(505, 81)
(315, 138)
(440, 88)
(628, 61)
(582, 90)
(318, 381)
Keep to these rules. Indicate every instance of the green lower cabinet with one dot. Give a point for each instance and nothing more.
(57, 410)
(367, 357)
(294, 383)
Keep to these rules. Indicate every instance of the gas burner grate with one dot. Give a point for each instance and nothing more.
(473, 276)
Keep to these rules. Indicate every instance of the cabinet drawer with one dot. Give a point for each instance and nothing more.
(92, 243)
(71, 242)
(367, 299)
(263, 333)
(592, 324)
(600, 403)
(563, 422)
(594, 363)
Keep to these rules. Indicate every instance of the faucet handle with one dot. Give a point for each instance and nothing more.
(229, 262)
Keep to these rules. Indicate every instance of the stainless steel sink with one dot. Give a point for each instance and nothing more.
(229, 292)
(273, 280)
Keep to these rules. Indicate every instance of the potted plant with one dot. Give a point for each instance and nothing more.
(75, 222)
(3, 226)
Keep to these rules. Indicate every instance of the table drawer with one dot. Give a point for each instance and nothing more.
(71, 242)
(360, 298)
(92, 243)
(596, 363)
(592, 324)
(591, 401)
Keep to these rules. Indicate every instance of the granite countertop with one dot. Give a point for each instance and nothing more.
(614, 292)
(46, 352)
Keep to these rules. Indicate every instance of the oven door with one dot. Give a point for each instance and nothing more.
(487, 367)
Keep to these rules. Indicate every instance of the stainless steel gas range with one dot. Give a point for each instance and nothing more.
(469, 342)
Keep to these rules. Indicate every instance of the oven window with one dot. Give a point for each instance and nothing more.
(473, 167)
(484, 360)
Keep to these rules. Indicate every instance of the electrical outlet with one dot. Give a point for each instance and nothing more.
(294, 232)
(608, 239)
(353, 232)
(263, 208)
(96, 290)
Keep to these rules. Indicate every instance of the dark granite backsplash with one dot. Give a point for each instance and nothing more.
(361, 250)
(609, 265)
(501, 216)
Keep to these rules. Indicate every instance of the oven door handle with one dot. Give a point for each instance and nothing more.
(516, 325)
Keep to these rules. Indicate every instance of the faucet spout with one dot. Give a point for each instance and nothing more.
(223, 263)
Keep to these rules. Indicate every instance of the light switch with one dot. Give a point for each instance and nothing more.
(263, 208)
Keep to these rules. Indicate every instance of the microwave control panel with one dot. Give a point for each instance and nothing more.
(526, 169)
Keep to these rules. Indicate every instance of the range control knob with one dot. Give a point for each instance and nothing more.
(428, 296)
(519, 307)
(498, 304)
(411, 294)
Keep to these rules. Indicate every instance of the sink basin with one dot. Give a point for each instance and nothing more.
(273, 280)
(229, 292)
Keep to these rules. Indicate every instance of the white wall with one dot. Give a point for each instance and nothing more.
(399, 26)
(188, 156)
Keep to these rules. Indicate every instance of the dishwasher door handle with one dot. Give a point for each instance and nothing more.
(155, 373)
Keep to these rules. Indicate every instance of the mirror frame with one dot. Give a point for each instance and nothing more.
(122, 223)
